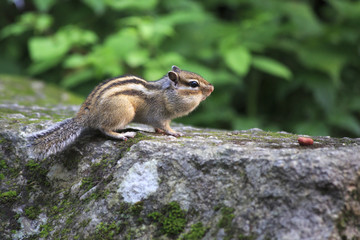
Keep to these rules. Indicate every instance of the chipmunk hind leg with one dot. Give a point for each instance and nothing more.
(118, 113)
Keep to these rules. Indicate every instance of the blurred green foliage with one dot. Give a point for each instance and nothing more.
(276, 65)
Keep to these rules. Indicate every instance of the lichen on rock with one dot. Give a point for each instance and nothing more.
(140, 181)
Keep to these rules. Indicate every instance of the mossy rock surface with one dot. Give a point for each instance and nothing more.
(209, 184)
(29, 92)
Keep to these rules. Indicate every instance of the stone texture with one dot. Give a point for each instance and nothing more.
(229, 184)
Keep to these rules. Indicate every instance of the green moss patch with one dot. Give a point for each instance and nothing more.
(32, 212)
(127, 215)
(137, 208)
(109, 230)
(170, 220)
(87, 183)
(3, 167)
(8, 197)
(227, 216)
(196, 232)
(36, 174)
(29, 92)
(45, 230)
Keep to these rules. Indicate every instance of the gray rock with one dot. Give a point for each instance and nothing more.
(229, 184)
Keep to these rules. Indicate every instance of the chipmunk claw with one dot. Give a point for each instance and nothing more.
(171, 133)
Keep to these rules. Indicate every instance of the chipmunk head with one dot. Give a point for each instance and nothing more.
(189, 83)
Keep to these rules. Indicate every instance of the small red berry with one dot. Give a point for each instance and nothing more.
(304, 141)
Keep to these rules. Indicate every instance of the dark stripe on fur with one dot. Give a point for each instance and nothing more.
(125, 82)
(130, 93)
(98, 87)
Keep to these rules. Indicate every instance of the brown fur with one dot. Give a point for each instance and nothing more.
(116, 102)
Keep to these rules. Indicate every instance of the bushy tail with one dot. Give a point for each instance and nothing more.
(55, 138)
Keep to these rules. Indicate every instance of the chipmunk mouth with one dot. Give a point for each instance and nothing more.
(210, 90)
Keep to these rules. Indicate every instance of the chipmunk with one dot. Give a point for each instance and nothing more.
(116, 102)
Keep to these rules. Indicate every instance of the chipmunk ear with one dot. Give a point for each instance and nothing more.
(175, 69)
(173, 76)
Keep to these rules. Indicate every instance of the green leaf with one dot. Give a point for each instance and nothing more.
(75, 61)
(224, 77)
(76, 36)
(137, 58)
(182, 17)
(98, 6)
(272, 67)
(238, 59)
(347, 9)
(153, 30)
(354, 103)
(131, 4)
(325, 60)
(323, 90)
(157, 67)
(43, 65)
(26, 22)
(13, 30)
(43, 22)
(77, 78)
(151, 73)
(43, 48)
(105, 61)
(56, 46)
(346, 121)
(303, 18)
(44, 5)
(123, 42)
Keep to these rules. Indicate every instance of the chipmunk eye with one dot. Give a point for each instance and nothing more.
(193, 84)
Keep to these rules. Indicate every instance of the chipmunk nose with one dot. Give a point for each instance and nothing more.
(211, 88)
